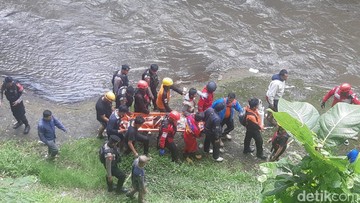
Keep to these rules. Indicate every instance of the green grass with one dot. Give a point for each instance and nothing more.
(78, 176)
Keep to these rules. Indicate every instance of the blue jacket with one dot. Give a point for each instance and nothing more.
(235, 105)
(46, 129)
(276, 77)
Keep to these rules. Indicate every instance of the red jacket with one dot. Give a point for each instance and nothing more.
(191, 127)
(167, 133)
(350, 97)
(205, 102)
(192, 131)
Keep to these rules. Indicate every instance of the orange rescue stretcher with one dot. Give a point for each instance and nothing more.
(153, 122)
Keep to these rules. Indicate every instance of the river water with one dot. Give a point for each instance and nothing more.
(67, 50)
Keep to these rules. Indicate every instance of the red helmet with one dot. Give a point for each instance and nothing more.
(345, 87)
(174, 115)
(142, 84)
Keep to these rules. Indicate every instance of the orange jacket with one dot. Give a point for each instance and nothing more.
(163, 98)
(253, 119)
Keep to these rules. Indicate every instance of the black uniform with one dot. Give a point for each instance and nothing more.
(13, 93)
(103, 107)
(133, 135)
(212, 130)
(119, 80)
(142, 102)
(124, 96)
(154, 83)
(113, 125)
(105, 150)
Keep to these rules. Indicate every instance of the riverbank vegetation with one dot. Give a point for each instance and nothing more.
(78, 176)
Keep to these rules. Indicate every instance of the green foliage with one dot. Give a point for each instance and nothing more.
(78, 176)
(339, 123)
(318, 171)
(302, 111)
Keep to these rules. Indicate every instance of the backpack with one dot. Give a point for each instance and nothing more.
(114, 75)
(242, 117)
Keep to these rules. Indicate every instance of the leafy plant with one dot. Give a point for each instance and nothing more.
(319, 170)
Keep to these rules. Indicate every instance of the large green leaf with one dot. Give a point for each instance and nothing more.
(339, 123)
(302, 111)
(300, 131)
(306, 138)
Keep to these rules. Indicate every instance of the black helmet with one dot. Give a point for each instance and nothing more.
(219, 106)
(192, 91)
(211, 86)
(154, 67)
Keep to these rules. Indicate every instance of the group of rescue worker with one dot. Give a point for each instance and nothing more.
(205, 117)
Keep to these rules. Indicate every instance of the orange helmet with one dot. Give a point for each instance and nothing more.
(142, 84)
(345, 87)
(174, 115)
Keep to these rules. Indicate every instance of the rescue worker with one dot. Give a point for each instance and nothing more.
(278, 143)
(113, 126)
(132, 135)
(227, 114)
(120, 78)
(189, 102)
(148, 90)
(142, 99)
(109, 156)
(13, 92)
(154, 82)
(125, 96)
(167, 132)
(138, 180)
(46, 132)
(206, 96)
(103, 111)
(163, 97)
(341, 93)
(276, 89)
(212, 130)
(191, 133)
(253, 128)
